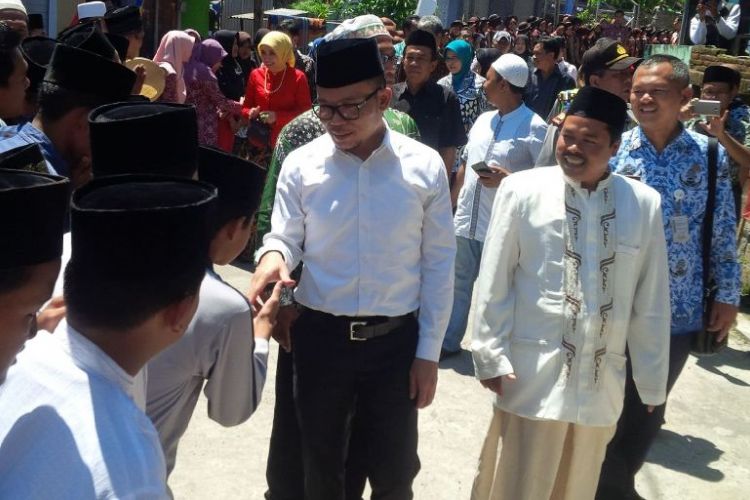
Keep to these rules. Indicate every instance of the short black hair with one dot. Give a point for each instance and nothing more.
(10, 40)
(516, 90)
(550, 45)
(680, 72)
(13, 278)
(94, 301)
(55, 101)
(620, 11)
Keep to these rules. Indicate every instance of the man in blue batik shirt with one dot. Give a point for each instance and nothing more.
(674, 161)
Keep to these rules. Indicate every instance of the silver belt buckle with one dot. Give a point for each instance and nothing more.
(352, 331)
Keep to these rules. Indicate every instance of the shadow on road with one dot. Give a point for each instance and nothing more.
(729, 357)
(460, 363)
(687, 454)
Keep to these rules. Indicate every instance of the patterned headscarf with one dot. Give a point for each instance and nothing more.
(281, 44)
(174, 51)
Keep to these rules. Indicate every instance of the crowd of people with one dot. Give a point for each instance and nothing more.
(545, 177)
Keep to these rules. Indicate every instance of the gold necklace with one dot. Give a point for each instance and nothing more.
(266, 84)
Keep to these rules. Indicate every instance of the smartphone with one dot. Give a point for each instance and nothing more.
(481, 168)
(707, 108)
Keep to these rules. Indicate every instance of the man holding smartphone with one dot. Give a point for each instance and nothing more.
(500, 142)
(729, 122)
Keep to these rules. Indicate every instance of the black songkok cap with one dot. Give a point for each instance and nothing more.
(140, 227)
(422, 38)
(124, 20)
(37, 50)
(87, 36)
(598, 104)
(28, 157)
(85, 72)
(240, 183)
(32, 217)
(36, 22)
(359, 56)
(722, 74)
(144, 138)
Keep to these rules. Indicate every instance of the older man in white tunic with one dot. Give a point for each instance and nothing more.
(574, 268)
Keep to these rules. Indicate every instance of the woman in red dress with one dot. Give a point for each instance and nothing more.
(276, 92)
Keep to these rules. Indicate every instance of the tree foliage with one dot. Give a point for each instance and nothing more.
(398, 10)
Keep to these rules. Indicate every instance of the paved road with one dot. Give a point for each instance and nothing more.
(702, 453)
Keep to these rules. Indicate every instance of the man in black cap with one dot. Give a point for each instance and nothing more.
(139, 250)
(126, 22)
(607, 66)
(574, 268)
(730, 127)
(76, 81)
(37, 52)
(32, 217)
(225, 346)
(434, 107)
(13, 81)
(368, 211)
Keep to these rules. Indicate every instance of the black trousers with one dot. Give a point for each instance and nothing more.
(337, 379)
(284, 470)
(637, 429)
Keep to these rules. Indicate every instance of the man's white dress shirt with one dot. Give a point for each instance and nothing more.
(727, 27)
(512, 141)
(376, 236)
(70, 429)
(519, 321)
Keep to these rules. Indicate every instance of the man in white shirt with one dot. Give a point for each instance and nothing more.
(500, 143)
(574, 268)
(714, 25)
(69, 426)
(33, 210)
(368, 210)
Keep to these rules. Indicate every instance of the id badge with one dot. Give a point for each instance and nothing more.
(680, 229)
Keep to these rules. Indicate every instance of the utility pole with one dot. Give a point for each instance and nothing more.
(257, 15)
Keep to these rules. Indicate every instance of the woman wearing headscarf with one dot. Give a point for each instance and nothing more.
(245, 51)
(276, 91)
(467, 85)
(174, 51)
(203, 92)
(231, 84)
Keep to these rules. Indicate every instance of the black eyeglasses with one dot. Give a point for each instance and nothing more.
(386, 58)
(345, 111)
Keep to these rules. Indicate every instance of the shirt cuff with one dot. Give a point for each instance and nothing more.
(262, 346)
(428, 348)
(652, 397)
(726, 297)
(499, 368)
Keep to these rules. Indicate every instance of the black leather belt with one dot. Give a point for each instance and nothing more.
(367, 327)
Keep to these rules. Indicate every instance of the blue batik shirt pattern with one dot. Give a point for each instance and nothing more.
(14, 136)
(681, 171)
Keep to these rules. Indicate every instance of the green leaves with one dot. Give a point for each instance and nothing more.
(398, 10)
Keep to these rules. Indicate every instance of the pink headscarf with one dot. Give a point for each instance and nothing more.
(174, 50)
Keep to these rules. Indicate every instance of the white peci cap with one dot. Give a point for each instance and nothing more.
(500, 35)
(512, 68)
(12, 5)
(91, 9)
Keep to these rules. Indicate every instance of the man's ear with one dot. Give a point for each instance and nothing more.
(384, 98)
(686, 95)
(177, 316)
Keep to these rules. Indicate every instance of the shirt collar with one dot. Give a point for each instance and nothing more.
(90, 358)
(639, 138)
(604, 183)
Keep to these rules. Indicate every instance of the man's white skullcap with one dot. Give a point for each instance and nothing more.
(512, 68)
(366, 26)
(13, 5)
(91, 9)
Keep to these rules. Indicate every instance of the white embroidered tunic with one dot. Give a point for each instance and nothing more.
(519, 321)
